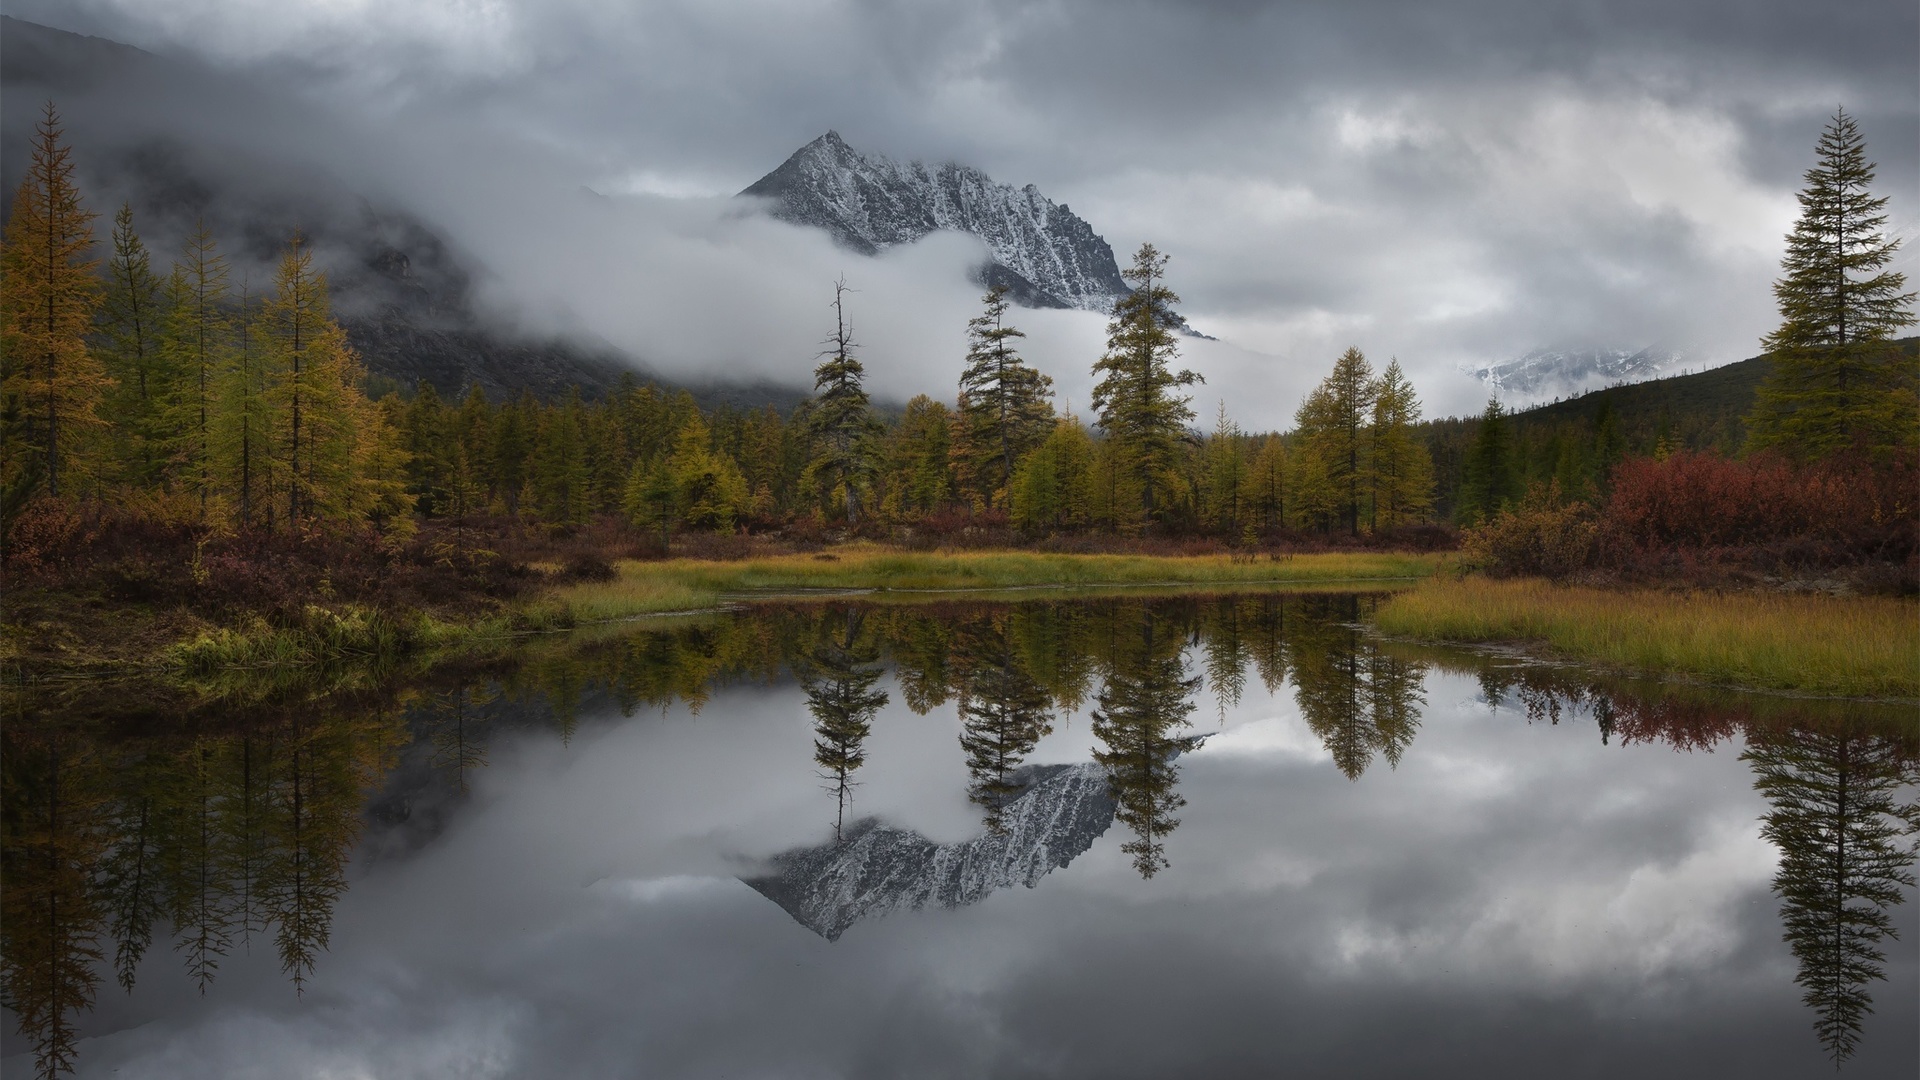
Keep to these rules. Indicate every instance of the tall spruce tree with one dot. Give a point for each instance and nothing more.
(243, 419)
(919, 472)
(1004, 402)
(1401, 469)
(1052, 486)
(842, 422)
(340, 457)
(1332, 466)
(1834, 384)
(197, 346)
(1227, 482)
(1492, 481)
(708, 490)
(1137, 397)
(1267, 484)
(129, 335)
(48, 292)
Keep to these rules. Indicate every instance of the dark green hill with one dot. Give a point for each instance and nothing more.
(1703, 411)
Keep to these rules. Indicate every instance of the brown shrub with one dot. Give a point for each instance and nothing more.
(1545, 535)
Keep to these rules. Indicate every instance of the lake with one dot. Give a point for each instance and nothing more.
(1115, 836)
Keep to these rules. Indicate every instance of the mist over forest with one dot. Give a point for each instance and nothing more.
(592, 203)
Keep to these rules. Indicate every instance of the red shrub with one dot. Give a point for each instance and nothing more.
(1692, 507)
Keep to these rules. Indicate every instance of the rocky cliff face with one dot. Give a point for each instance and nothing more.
(1044, 253)
(877, 868)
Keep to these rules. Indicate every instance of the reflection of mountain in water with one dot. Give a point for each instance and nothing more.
(879, 868)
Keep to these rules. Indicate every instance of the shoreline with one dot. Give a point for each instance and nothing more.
(64, 636)
(1824, 647)
(1864, 648)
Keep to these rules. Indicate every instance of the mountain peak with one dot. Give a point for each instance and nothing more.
(1567, 372)
(1043, 252)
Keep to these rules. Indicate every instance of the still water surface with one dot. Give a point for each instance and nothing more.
(1189, 836)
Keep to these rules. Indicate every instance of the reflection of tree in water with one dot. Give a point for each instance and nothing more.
(1145, 699)
(455, 721)
(1832, 776)
(1841, 830)
(1357, 697)
(1004, 713)
(838, 674)
(50, 914)
(215, 836)
(1227, 650)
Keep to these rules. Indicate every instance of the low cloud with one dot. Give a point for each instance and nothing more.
(1440, 186)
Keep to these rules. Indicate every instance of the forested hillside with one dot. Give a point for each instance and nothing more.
(1577, 439)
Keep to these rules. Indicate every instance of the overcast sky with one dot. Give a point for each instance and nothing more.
(1444, 182)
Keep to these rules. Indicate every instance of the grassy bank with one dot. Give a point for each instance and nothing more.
(95, 632)
(1868, 646)
(680, 584)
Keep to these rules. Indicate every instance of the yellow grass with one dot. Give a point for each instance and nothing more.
(1865, 646)
(681, 584)
(624, 597)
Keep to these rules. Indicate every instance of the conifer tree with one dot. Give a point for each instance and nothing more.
(1004, 402)
(1834, 384)
(649, 498)
(379, 470)
(197, 346)
(294, 316)
(1401, 472)
(607, 457)
(130, 335)
(426, 433)
(842, 422)
(1333, 464)
(48, 294)
(467, 491)
(1609, 446)
(1491, 480)
(919, 477)
(1226, 482)
(243, 420)
(511, 443)
(708, 490)
(559, 480)
(339, 455)
(1053, 485)
(1267, 484)
(1136, 397)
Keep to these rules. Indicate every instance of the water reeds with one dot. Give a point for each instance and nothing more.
(1854, 646)
(683, 584)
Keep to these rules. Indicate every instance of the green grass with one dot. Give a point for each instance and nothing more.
(1866, 646)
(682, 584)
(624, 597)
(357, 636)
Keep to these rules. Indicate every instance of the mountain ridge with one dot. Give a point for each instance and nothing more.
(1044, 253)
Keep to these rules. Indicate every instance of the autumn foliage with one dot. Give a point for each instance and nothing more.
(1833, 512)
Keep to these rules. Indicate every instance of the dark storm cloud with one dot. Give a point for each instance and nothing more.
(1444, 182)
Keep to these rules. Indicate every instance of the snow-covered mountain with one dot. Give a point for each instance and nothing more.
(877, 868)
(1545, 373)
(1044, 253)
